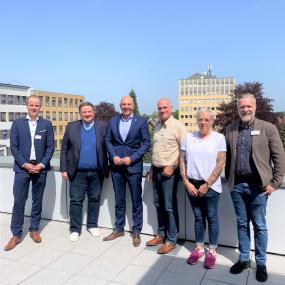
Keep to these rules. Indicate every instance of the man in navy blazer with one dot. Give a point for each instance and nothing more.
(127, 141)
(84, 162)
(32, 145)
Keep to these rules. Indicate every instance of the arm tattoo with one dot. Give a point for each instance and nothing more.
(221, 162)
(182, 162)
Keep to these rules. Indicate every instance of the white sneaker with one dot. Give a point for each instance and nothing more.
(73, 236)
(94, 232)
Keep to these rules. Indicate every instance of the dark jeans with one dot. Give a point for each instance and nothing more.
(134, 180)
(206, 208)
(89, 182)
(250, 205)
(20, 192)
(165, 201)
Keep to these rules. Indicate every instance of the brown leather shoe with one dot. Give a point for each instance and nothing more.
(113, 235)
(12, 243)
(155, 241)
(35, 236)
(166, 247)
(136, 240)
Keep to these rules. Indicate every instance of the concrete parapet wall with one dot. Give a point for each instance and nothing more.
(56, 201)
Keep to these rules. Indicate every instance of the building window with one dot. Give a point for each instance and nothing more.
(17, 100)
(65, 102)
(53, 102)
(76, 103)
(54, 116)
(54, 130)
(182, 116)
(48, 115)
(59, 102)
(186, 124)
(3, 99)
(10, 99)
(76, 115)
(11, 117)
(2, 117)
(60, 129)
(47, 101)
(18, 115)
(40, 114)
(60, 116)
(71, 103)
(4, 134)
(71, 116)
(66, 116)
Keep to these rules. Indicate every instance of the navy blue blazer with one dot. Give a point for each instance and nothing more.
(135, 146)
(21, 143)
(70, 148)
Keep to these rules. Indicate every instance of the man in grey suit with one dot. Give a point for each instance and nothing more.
(255, 169)
(84, 162)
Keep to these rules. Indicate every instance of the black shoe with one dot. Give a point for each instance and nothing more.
(261, 273)
(239, 267)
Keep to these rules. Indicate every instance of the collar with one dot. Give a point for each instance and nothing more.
(168, 121)
(29, 118)
(129, 118)
(89, 125)
(246, 126)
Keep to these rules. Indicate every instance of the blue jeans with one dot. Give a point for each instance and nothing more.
(250, 205)
(206, 207)
(165, 201)
(134, 180)
(89, 182)
(20, 192)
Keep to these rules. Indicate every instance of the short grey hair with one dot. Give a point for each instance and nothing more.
(246, 95)
(205, 110)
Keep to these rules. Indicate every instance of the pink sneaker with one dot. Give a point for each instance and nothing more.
(210, 260)
(195, 256)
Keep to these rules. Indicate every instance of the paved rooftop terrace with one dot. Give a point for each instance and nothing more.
(91, 261)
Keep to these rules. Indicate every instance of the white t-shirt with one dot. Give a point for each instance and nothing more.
(201, 156)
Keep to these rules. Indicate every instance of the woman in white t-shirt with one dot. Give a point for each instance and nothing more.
(203, 155)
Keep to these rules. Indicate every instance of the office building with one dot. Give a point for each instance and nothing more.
(59, 108)
(12, 106)
(202, 90)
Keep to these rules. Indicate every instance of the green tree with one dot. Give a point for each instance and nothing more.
(132, 93)
(148, 155)
(176, 114)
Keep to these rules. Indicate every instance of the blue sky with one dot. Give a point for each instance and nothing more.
(102, 49)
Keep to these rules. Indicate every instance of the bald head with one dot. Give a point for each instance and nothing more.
(164, 108)
(127, 106)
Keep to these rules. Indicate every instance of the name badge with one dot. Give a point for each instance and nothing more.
(255, 133)
(38, 137)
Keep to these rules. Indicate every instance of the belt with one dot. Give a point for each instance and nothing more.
(196, 183)
(33, 161)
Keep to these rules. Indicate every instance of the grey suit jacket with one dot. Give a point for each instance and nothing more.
(267, 153)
